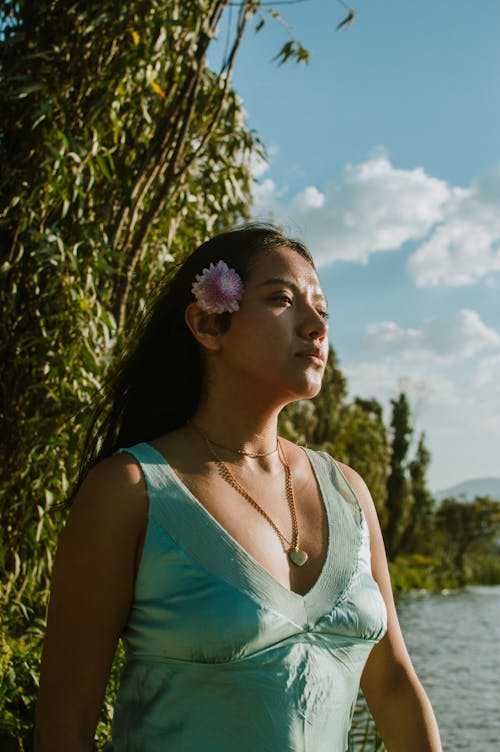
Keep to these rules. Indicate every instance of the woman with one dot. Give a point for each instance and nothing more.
(234, 564)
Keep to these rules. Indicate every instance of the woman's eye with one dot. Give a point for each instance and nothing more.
(284, 298)
(324, 314)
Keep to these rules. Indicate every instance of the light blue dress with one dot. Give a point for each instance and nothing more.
(220, 657)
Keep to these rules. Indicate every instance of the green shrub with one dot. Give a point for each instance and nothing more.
(417, 572)
(483, 569)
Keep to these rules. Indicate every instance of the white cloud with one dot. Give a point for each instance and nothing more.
(465, 247)
(310, 198)
(460, 335)
(258, 165)
(375, 207)
(378, 207)
(389, 375)
(388, 332)
(463, 334)
(487, 374)
(263, 194)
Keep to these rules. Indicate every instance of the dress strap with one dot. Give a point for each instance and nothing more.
(342, 484)
(152, 465)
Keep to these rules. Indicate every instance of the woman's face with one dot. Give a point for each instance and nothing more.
(277, 341)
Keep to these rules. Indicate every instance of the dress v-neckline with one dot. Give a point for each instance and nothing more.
(208, 542)
(237, 545)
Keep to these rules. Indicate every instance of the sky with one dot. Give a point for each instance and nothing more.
(384, 156)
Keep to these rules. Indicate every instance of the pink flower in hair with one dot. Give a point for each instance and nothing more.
(218, 289)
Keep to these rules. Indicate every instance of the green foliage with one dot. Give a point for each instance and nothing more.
(398, 489)
(418, 572)
(19, 662)
(292, 50)
(364, 736)
(464, 529)
(102, 731)
(365, 447)
(483, 569)
(417, 533)
(19, 668)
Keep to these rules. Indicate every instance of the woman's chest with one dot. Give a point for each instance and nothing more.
(267, 522)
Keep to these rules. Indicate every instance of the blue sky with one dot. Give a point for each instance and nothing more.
(384, 156)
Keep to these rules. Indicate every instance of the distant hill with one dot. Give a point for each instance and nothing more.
(467, 490)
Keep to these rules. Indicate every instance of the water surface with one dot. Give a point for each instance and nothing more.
(454, 642)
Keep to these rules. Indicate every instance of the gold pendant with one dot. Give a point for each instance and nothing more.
(298, 557)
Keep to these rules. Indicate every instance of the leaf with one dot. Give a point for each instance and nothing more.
(25, 91)
(294, 50)
(285, 52)
(260, 24)
(103, 167)
(157, 88)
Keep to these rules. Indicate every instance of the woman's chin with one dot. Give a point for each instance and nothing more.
(307, 390)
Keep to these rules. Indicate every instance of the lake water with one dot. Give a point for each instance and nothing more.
(454, 642)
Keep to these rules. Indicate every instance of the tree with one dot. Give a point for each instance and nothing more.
(365, 446)
(463, 525)
(419, 526)
(398, 489)
(130, 118)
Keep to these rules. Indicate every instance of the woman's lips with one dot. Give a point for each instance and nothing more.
(316, 356)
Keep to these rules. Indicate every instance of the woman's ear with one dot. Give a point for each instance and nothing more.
(204, 327)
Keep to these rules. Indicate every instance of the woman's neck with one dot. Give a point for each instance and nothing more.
(241, 416)
(238, 430)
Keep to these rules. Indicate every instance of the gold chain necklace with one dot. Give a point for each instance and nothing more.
(236, 451)
(298, 556)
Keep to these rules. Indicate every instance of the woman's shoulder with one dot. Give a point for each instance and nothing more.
(113, 492)
(118, 474)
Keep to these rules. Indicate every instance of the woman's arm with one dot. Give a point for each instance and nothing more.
(395, 696)
(92, 587)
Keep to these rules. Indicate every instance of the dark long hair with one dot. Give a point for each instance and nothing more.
(157, 383)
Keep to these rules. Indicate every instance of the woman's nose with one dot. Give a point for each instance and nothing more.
(316, 326)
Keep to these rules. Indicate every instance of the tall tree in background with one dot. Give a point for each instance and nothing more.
(365, 446)
(419, 524)
(398, 489)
